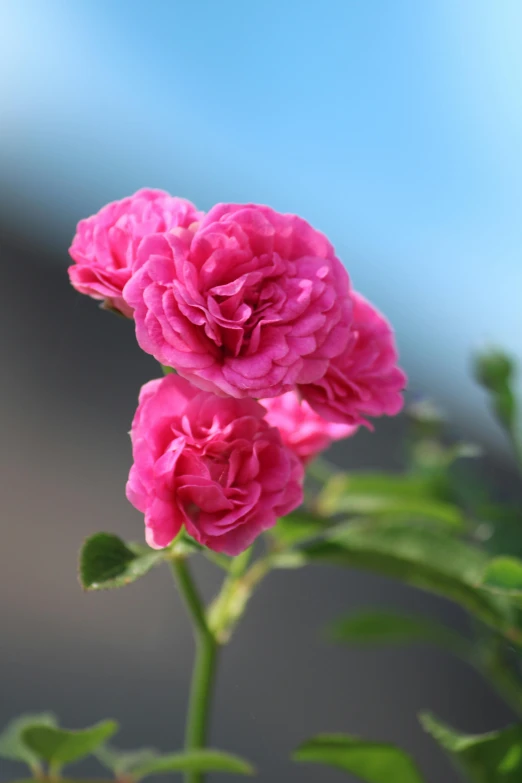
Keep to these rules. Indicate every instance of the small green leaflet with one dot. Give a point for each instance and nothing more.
(485, 758)
(107, 562)
(371, 762)
(503, 575)
(298, 527)
(59, 746)
(495, 371)
(387, 496)
(381, 627)
(422, 557)
(13, 747)
(205, 760)
(122, 762)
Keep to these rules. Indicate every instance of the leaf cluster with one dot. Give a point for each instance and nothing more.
(39, 742)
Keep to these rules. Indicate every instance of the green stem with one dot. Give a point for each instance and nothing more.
(201, 688)
(516, 443)
(55, 772)
(190, 595)
(229, 606)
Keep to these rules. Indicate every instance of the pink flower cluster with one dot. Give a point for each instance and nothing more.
(246, 304)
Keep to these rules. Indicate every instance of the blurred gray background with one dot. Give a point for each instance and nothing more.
(396, 129)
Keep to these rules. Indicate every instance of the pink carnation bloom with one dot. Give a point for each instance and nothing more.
(251, 304)
(302, 429)
(212, 464)
(105, 245)
(364, 380)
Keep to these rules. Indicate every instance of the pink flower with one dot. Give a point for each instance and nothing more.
(302, 429)
(364, 380)
(105, 245)
(251, 304)
(212, 464)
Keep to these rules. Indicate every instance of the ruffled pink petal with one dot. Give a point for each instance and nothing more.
(213, 464)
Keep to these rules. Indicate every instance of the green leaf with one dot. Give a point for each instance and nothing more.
(13, 747)
(59, 746)
(485, 758)
(386, 495)
(206, 760)
(123, 762)
(498, 527)
(421, 557)
(391, 485)
(389, 627)
(299, 526)
(106, 562)
(495, 371)
(372, 762)
(503, 575)
(288, 560)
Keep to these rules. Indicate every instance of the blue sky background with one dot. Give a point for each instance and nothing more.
(395, 127)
